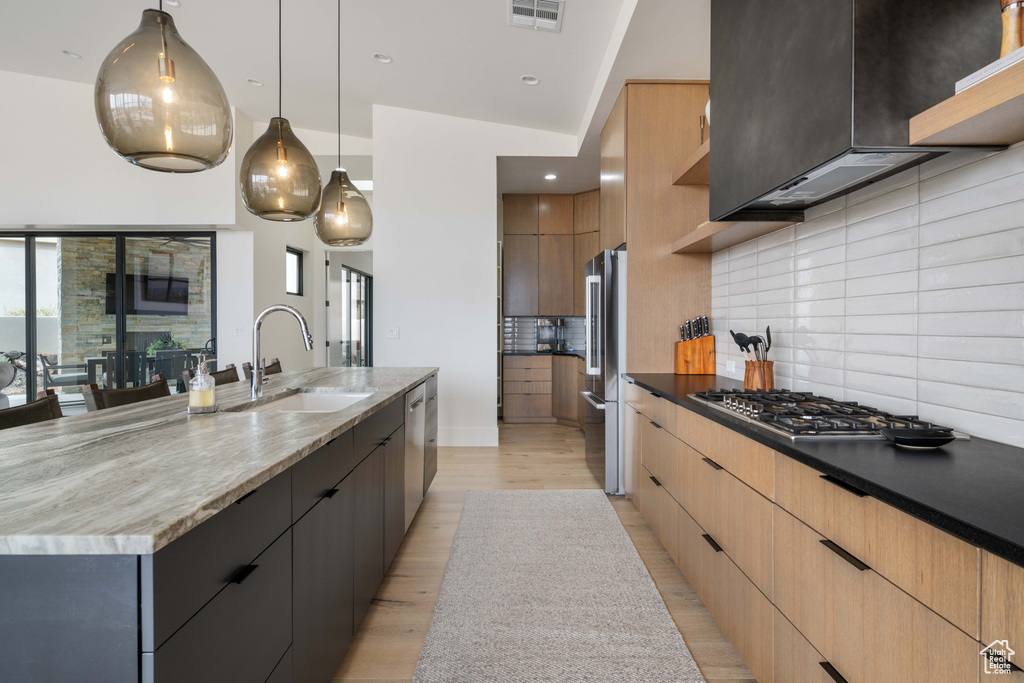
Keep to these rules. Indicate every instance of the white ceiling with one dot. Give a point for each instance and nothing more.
(456, 58)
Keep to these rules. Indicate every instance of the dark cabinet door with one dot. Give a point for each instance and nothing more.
(394, 495)
(368, 517)
(430, 444)
(521, 269)
(322, 596)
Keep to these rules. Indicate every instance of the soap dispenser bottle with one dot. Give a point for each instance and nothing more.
(201, 398)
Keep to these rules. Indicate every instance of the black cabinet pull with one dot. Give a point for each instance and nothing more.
(711, 542)
(831, 671)
(331, 493)
(237, 502)
(843, 485)
(243, 573)
(655, 480)
(843, 554)
(432, 398)
(713, 463)
(432, 440)
(658, 426)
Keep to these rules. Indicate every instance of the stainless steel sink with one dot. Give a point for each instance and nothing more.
(308, 400)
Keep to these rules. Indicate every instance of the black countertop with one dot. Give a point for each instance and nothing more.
(578, 354)
(972, 489)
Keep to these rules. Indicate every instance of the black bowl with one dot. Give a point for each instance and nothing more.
(917, 438)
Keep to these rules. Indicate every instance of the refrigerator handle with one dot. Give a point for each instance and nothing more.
(593, 399)
(593, 327)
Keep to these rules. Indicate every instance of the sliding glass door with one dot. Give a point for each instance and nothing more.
(106, 309)
(349, 319)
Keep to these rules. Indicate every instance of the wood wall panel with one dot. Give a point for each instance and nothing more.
(521, 213)
(613, 176)
(555, 290)
(555, 214)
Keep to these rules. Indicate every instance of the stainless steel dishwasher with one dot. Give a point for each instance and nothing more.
(415, 433)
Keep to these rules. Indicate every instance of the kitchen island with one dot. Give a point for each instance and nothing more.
(143, 543)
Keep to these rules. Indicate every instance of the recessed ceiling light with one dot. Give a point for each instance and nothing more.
(529, 80)
(550, 176)
(173, 3)
(73, 55)
(254, 82)
(382, 58)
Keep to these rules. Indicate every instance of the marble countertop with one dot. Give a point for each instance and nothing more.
(130, 480)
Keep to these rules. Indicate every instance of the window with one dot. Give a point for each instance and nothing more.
(293, 271)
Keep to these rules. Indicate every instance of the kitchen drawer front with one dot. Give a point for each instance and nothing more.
(283, 670)
(751, 462)
(241, 634)
(741, 611)
(184, 575)
(693, 482)
(740, 520)
(1002, 606)
(528, 375)
(660, 513)
(520, 405)
(524, 362)
(796, 661)
(692, 548)
(658, 454)
(372, 431)
(633, 394)
(320, 471)
(869, 629)
(938, 569)
(527, 388)
(661, 411)
(431, 388)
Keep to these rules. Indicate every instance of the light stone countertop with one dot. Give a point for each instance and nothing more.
(130, 480)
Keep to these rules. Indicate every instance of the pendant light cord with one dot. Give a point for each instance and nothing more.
(280, 81)
(339, 83)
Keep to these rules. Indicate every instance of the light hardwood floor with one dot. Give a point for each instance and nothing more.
(388, 644)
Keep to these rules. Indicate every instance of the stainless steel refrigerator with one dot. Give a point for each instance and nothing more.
(606, 358)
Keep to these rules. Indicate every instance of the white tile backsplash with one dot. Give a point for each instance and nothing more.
(907, 295)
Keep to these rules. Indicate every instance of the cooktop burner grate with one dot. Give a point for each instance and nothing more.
(806, 416)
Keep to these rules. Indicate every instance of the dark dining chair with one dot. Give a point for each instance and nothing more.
(55, 375)
(226, 376)
(272, 368)
(101, 399)
(46, 408)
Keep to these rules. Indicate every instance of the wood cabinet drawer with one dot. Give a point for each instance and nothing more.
(658, 454)
(796, 661)
(937, 568)
(740, 521)
(527, 362)
(869, 629)
(660, 511)
(527, 388)
(751, 462)
(186, 574)
(661, 411)
(320, 471)
(691, 548)
(1002, 604)
(241, 634)
(528, 375)
(521, 405)
(372, 431)
(633, 394)
(693, 482)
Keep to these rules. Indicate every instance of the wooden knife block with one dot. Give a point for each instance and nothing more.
(696, 356)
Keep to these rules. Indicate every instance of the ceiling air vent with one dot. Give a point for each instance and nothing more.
(545, 15)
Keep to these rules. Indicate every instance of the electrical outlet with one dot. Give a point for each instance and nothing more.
(730, 366)
(239, 331)
(394, 332)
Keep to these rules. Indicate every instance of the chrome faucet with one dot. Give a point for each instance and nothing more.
(259, 364)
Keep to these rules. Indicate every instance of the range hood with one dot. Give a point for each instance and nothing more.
(812, 99)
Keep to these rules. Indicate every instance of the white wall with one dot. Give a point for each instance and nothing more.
(434, 254)
(234, 297)
(60, 171)
(907, 295)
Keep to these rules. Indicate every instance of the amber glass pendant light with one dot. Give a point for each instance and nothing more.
(159, 105)
(344, 218)
(280, 179)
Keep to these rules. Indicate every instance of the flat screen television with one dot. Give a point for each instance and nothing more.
(149, 295)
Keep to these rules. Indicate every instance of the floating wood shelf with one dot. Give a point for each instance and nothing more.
(697, 170)
(989, 113)
(711, 237)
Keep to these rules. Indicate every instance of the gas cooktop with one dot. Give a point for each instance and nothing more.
(801, 416)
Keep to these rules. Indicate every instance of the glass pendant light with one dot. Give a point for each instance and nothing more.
(159, 105)
(344, 218)
(280, 179)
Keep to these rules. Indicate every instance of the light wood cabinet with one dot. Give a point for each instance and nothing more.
(555, 285)
(631, 430)
(581, 386)
(527, 389)
(692, 548)
(693, 482)
(751, 462)
(585, 247)
(520, 214)
(903, 549)
(613, 176)
(564, 380)
(1002, 604)
(658, 454)
(555, 214)
(660, 511)
(869, 629)
(587, 212)
(796, 661)
(520, 275)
